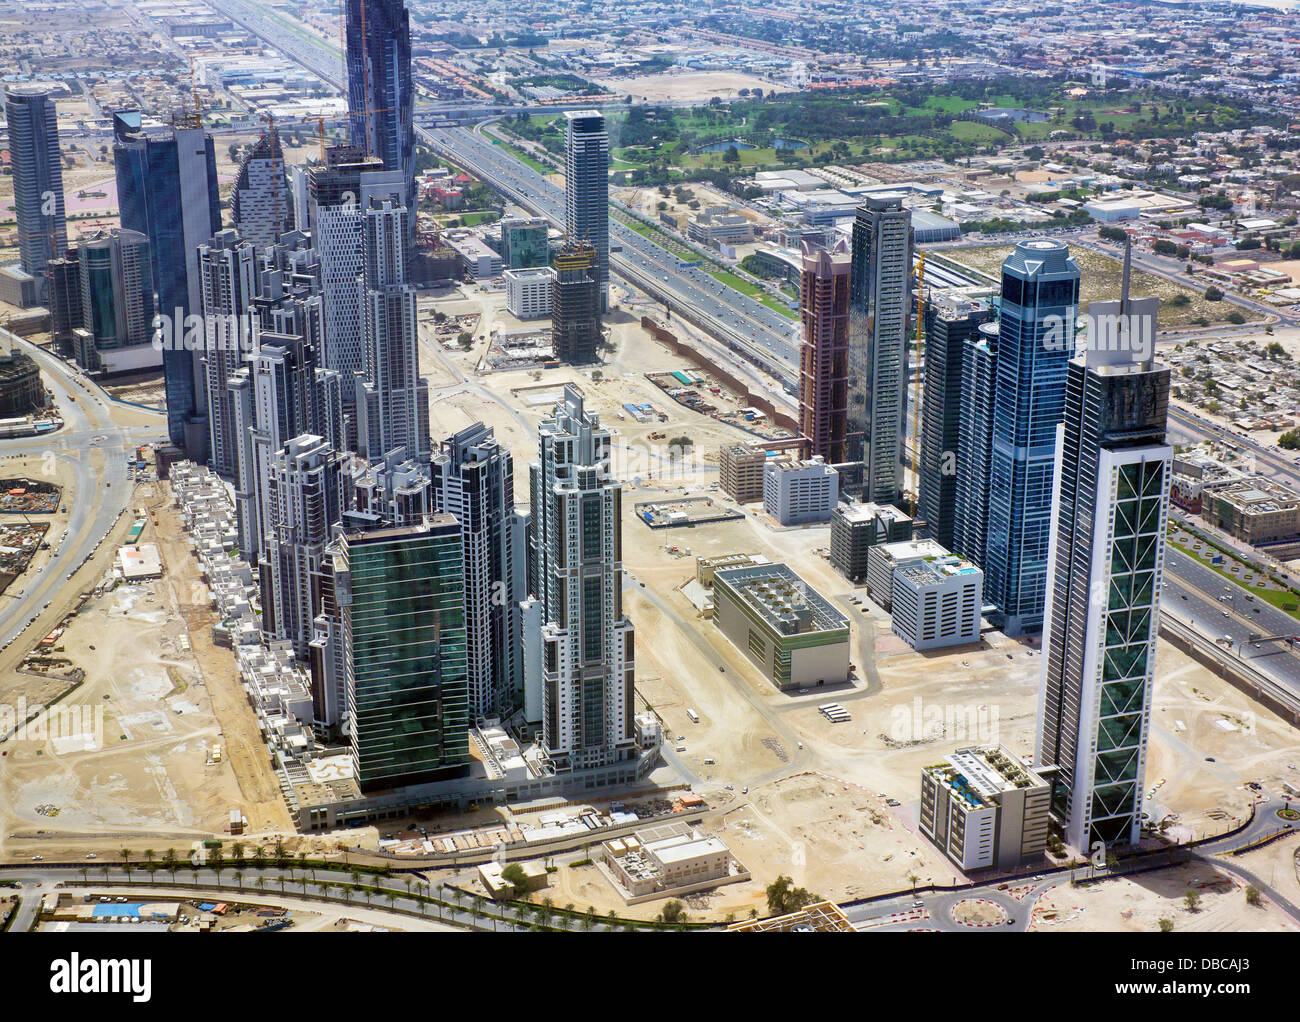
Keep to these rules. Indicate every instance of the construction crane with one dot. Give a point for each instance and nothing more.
(915, 447)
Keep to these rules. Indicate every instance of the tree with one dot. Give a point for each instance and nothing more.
(1290, 440)
(1166, 924)
(673, 912)
(515, 876)
(1213, 294)
(783, 897)
(1192, 899)
(1252, 895)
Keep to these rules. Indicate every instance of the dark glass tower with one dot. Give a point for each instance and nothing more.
(167, 190)
(1036, 323)
(381, 95)
(38, 177)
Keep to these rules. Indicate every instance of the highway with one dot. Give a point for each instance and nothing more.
(95, 448)
(747, 326)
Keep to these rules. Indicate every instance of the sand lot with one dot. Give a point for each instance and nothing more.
(1136, 904)
(693, 85)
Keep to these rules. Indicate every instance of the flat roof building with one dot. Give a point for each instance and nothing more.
(884, 558)
(856, 528)
(984, 809)
(937, 602)
(740, 472)
(791, 632)
(800, 492)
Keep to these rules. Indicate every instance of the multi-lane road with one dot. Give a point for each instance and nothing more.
(747, 326)
(94, 447)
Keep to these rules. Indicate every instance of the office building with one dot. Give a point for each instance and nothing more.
(167, 191)
(115, 292)
(951, 321)
(884, 559)
(400, 591)
(937, 602)
(740, 472)
(800, 492)
(262, 203)
(1109, 512)
(575, 305)
(340, 190)
(524, 242)
(790, 632)
(1036, 322)
(824, 354)
(576, 539)
(473, 480)
(1255, 510)
(63, 298)
(528, 292)
(37, 177)
(985, 810)
(880, 302)
(381, 92)
(856, 528)
(586, 192)
(392, 402)
(975, 443)
(227, 279)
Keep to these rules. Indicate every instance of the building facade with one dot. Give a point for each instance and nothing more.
(38, 178)
(576, 542)
(586, 192)
(1110, 507)
(800, 492)
(575, 304)
(824, 354)
(879, 306)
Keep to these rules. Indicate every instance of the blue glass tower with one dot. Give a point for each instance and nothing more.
(167, 190)
(381, 95)
(1037, 311)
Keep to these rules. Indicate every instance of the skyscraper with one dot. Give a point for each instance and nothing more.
(262, 204)
(576, 542)
(586, 189)
(63, 297)
(1036, 323)
(824, 355)
(473, 480)
(975, 443)
(400, 593)
(381, 94)
(1109, 511)
(392, 399)
(38, 178)
(305, 500)
(950, 324)
(575, 305)
(227, 278)
(879, 305)
(167, 190)
(340, 190)
(116, 296)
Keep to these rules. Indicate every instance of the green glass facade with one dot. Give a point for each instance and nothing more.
(404, 635)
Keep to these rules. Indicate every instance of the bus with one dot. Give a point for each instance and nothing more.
(695, 717)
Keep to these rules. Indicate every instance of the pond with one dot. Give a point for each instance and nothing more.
(722, 147)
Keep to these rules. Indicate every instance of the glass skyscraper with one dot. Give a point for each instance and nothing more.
(401, 594)
(879, 306)
(37, 176)
(1109, 511)
(381, 95)
(167, 190)
(586, 189)
(1036, 324)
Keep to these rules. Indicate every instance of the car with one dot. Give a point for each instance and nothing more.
(918, 903)
(91, 855)
(744, 791)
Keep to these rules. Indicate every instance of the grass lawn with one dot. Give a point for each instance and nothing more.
(520, 155)
(974, 131)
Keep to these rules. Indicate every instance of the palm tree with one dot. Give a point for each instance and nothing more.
(239, 879)
(169, 861)
(126, 860)
(148, 861)
(261, 883)
(84, 872)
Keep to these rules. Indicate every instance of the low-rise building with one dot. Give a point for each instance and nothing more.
(479, 260)
(884, 559)
(856, 528)
(1255, 510)
(671, 859)
(716, 225)
(528, 292)
(984, 809)
(937, 602)
(800, 492)
(740, 472)
(792, 633)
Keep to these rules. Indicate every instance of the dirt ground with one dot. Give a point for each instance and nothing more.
(1137, 904)
(692, 85)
